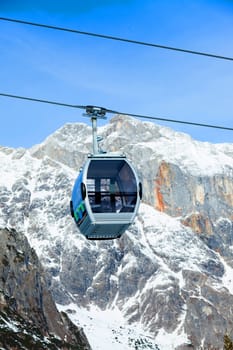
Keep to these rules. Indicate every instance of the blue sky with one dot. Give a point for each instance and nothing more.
(83, 70)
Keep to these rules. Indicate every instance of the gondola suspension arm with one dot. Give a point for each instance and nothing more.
(94, 113)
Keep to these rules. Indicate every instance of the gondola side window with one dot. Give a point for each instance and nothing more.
(128, 186)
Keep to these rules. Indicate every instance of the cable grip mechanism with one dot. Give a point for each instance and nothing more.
(96, 112)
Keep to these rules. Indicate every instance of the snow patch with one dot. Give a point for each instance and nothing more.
(227, 279)
(107, 329)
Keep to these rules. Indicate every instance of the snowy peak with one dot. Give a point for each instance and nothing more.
(199, 158)
(131, 136)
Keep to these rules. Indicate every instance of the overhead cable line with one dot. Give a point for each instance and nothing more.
(109, 37)
(118, 112)
(42, 101)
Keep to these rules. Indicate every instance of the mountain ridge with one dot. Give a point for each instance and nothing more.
(28, 316)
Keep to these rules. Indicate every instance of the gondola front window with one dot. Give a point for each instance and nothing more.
(111, 186)
(104, 195)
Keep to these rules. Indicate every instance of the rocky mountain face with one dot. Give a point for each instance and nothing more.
(29, 318)
(171, 273)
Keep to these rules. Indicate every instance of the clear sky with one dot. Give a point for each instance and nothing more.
(78, 69)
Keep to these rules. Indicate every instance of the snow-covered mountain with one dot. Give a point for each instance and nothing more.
(168, 282)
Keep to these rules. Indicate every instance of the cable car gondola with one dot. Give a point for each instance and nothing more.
(106, 195)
